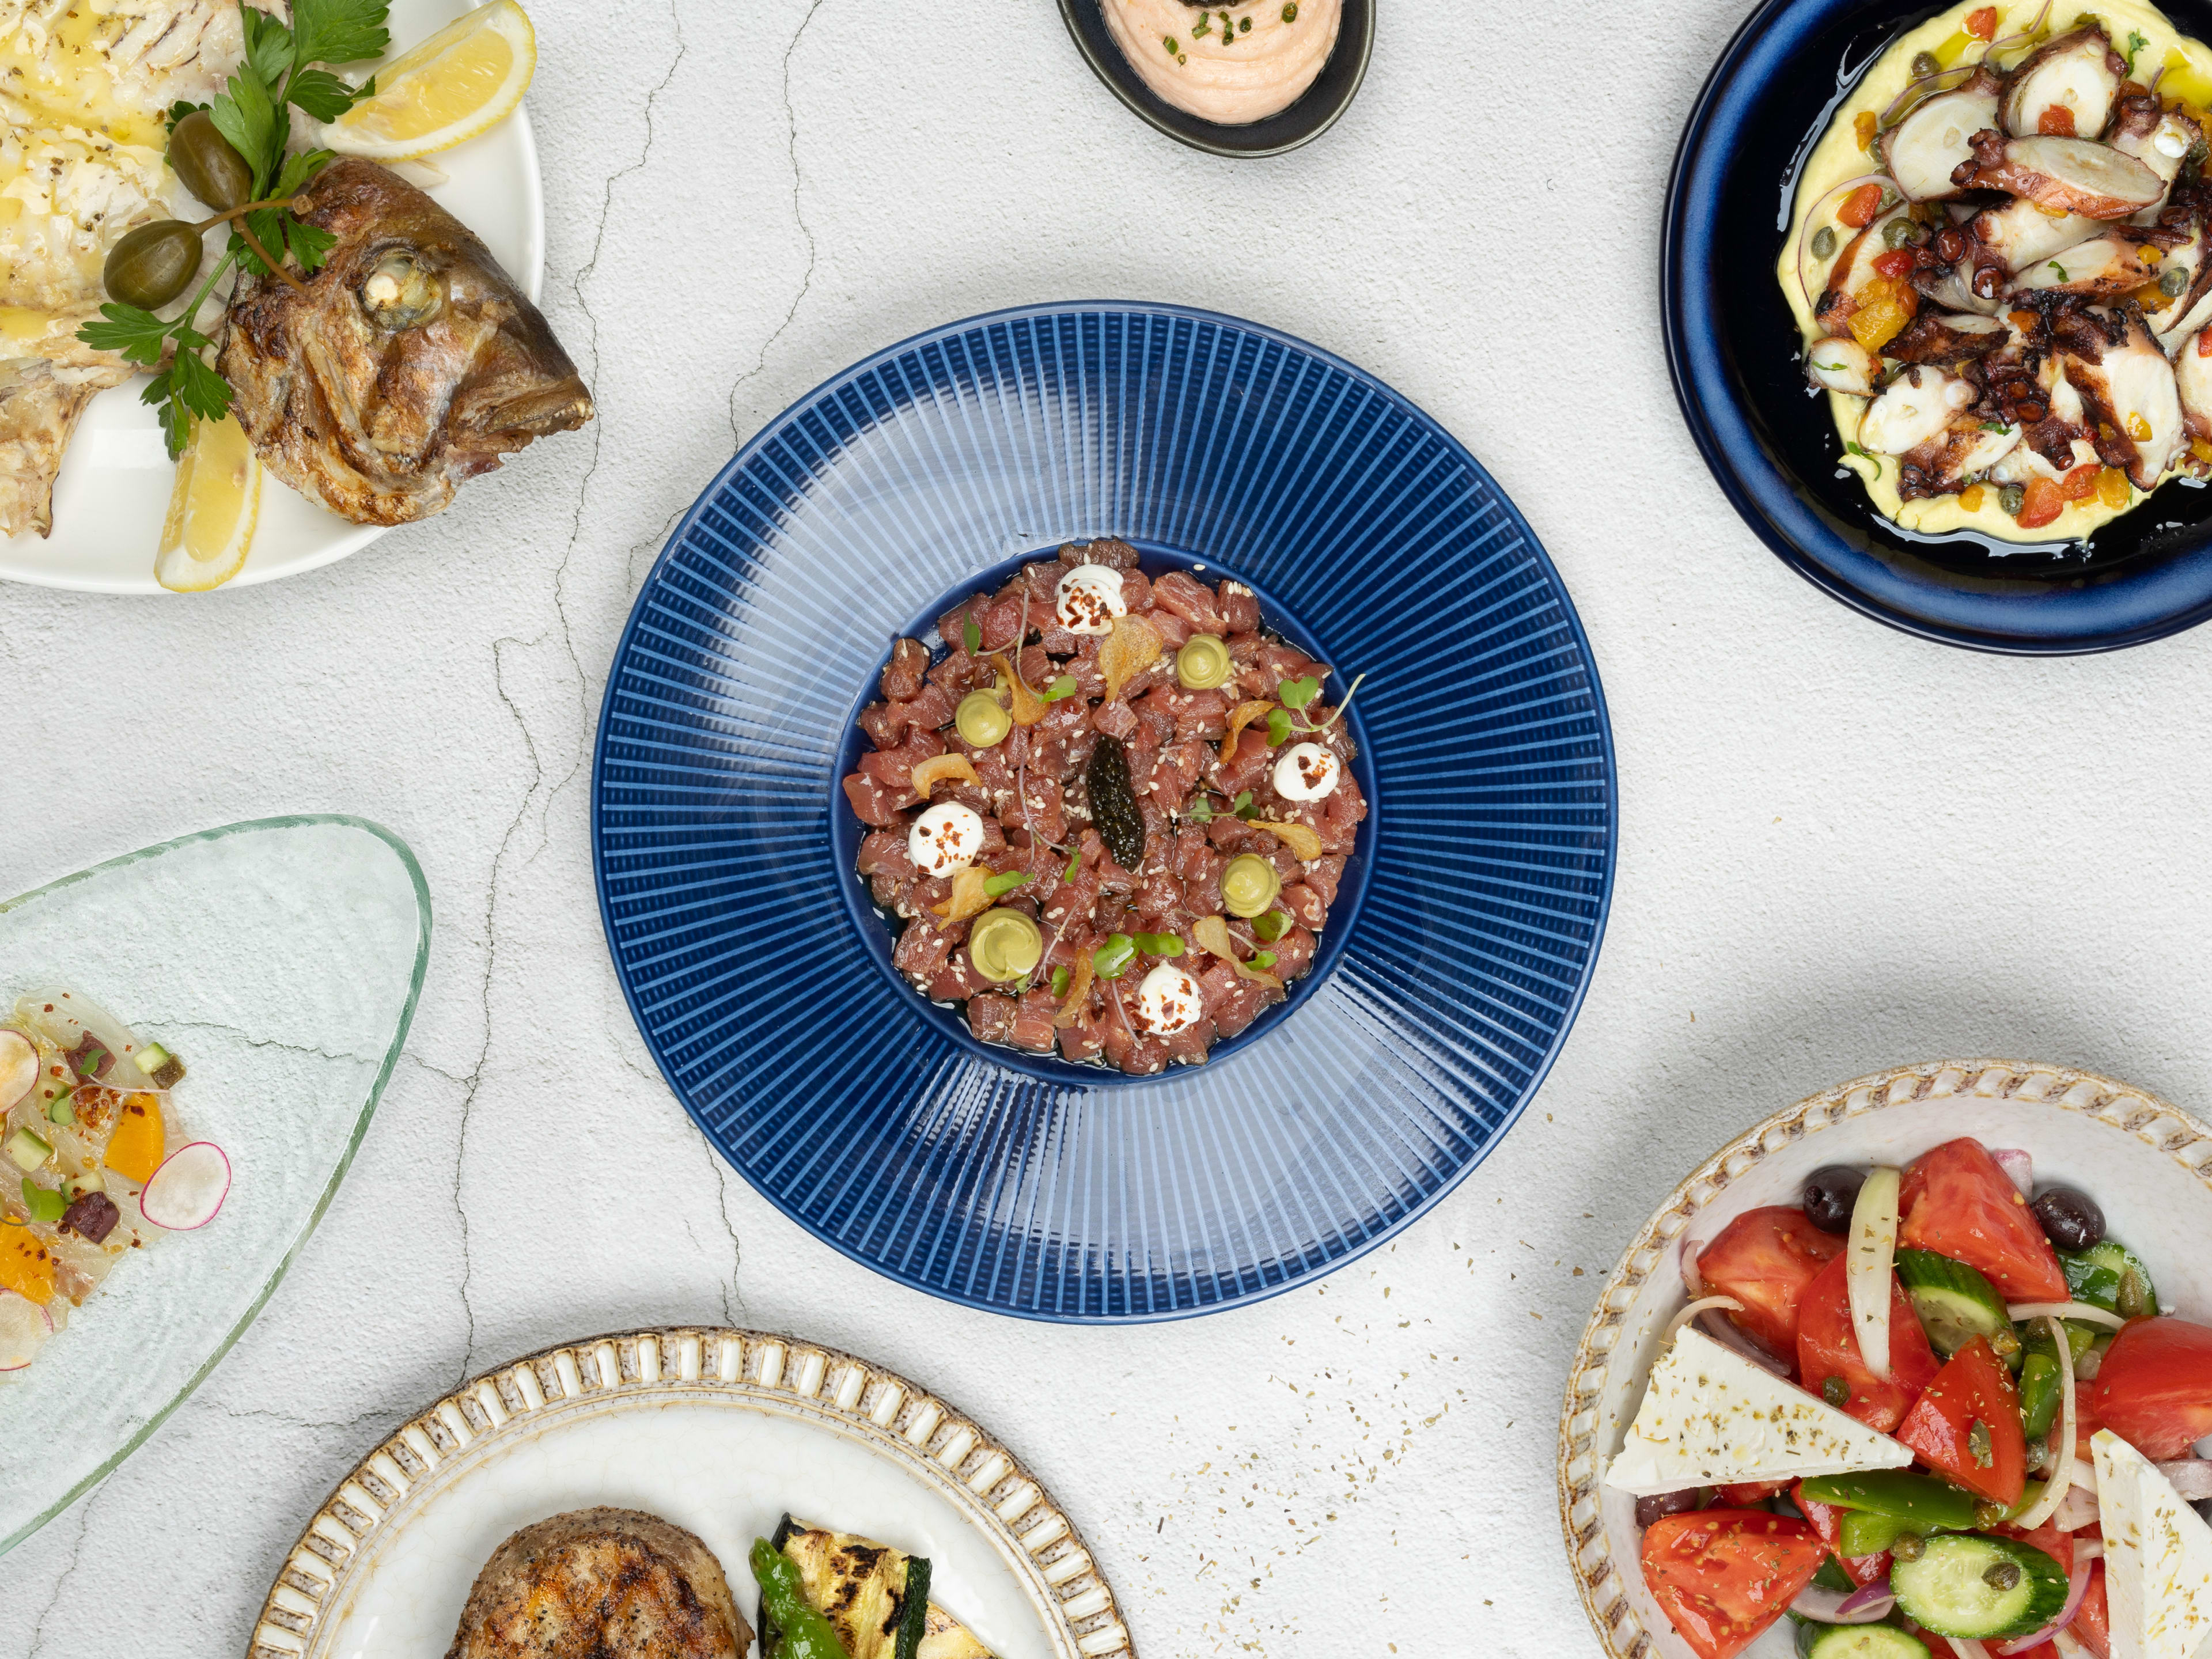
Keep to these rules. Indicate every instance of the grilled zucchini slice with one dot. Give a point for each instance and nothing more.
(875, 1597)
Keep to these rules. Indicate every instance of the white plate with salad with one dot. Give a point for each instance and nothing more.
(112, 500)
(1918, 1368)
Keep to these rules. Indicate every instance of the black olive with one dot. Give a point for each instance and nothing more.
(1660, 1505)
(1830, 1193)
(1114, 809)
(2069, 1220)
(153, 264)
(211, 168)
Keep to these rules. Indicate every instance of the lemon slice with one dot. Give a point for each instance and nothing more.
(463, 80)
(212, 508)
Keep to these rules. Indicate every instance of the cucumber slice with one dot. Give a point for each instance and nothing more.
(2100, 1276)
(1969, 1585)
(1955, 1303)
(1858, 1642)
(1921, 1500)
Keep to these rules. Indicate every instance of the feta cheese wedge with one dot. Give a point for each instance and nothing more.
(2158, 1556)
(1711, 1417)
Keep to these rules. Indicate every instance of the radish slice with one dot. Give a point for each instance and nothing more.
(2020, 1165)
(2062, 1474)
(18, 1067)
(188, 1188)
(1873, 1252)
(24, 1328)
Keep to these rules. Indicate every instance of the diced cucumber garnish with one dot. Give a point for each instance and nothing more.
(1858, 1642)
(2101, 1276)
(1955, 1303)
(78, 1185)
(26, 1152)
(43, 1202)
(2038, 1393)
(1966, 1584)
(60, 1110)
(1920, 1499)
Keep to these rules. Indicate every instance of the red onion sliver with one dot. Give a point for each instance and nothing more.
(1859, 1607)
(1718, 1327)
(2191, 1477)
(2019, 1165)
(1691, 1250)
(2077, 1586)
(1813, 215)
(1866, 1596)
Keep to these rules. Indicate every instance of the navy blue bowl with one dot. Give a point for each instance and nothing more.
(1734, 349)
(879, 932)
(759, 975)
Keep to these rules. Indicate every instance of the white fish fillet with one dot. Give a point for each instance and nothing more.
(85, 86)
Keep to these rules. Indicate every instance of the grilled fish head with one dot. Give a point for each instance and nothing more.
(408, 363)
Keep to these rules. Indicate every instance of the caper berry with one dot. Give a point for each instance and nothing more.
(2002, 1575)
(1004, 944)
(1923, 63)
(1897, 233)
(2172, 280)
(1203, 662)
(981, 720)
(153, 264)
(1249, 885)
(1291, 12)
(1909, 1547)
(211, 168)
(2069, 1220)
(1830, 1193)
(2012, 498)
(1836, 1392)
(2132, 1300)
(1824, 241)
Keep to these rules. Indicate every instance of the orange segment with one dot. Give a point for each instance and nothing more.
(26, 1267)
(135, 1149)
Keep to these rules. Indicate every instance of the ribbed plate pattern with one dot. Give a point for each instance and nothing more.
(1054, 1196)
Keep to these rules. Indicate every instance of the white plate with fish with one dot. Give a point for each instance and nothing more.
(724, 1435)
(112, 493)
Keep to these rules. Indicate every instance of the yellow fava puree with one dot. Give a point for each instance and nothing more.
(1838, 157)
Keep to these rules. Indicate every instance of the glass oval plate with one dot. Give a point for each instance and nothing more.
(280, 960)
(1023, 1188)
(114, 490)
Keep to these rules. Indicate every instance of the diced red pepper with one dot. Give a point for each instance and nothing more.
(1983, 24)
(1860, 206)
(1965, 1424)
(2039, 503)
(2056, 121)
(1899, 262)
(2081, 483)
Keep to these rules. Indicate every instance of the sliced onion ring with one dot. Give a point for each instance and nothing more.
(2020, 1165)
(1812, 217)
(2062, 1461)
(1872, 1249)
(1866, 1606)
(1866, 1595)
(1702, 1304)
(2077, 1586)
(1921, 85)
(2085, 1312)
(2191, 1477)
(2019, 40)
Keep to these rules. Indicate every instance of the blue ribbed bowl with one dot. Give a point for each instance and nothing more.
(1019, 1183)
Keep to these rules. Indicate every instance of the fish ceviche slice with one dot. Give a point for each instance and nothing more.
(1927, 1411)
(1111, 816)
(97, 1165)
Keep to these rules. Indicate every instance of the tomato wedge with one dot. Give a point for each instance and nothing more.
(1827, 1347)
(1828, 1521)
(2092, 1619)
(1956, 1202)
(1722, 1576)
(1750, 1493)
(1765, 1259)
(1966, 1425)
(2154, 1388)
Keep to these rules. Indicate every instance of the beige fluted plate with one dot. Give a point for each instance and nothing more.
(718, 1430)
(2146, 1164)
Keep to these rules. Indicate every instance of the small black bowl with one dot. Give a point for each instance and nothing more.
(1735, 352)
(1314, 113)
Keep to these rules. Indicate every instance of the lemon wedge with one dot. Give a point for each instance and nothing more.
(212, 508)
(463, 80)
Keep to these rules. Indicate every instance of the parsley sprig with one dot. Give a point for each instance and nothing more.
(283, 69)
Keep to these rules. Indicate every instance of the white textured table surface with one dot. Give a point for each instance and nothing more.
(1840, 848)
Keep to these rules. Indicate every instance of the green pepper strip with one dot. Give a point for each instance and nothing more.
(1919, 1498)
(805, 1633)
(2038, 1393)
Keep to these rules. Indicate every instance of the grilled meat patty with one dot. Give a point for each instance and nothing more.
(601, 1584)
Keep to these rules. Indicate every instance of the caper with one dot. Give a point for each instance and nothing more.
(2002, 1575)
(1004, 944)
(1824, 241)
(2172, 280)
(211, 168)
(2132, 1301)
(1897, 233)
(2012, 498)
(153, 264)
(1909, 1547)
(1249, 885)
(981, 720)
(1923, 63)
(1836, 1392)
(1203, 662)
